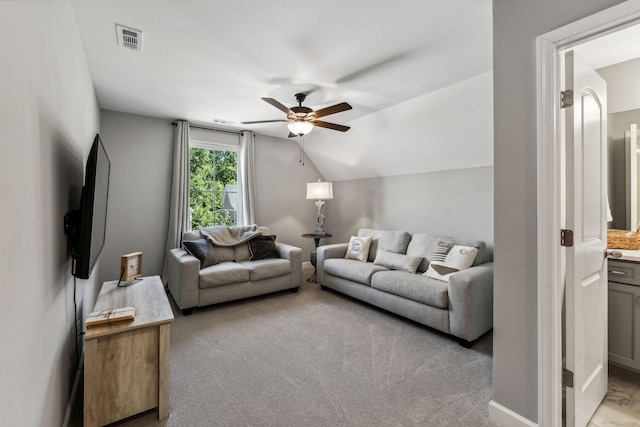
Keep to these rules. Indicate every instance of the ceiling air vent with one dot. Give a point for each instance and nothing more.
(129, 37)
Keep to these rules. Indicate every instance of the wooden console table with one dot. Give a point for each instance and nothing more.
(126, 363)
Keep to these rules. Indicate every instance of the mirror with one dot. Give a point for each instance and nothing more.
(623, 185)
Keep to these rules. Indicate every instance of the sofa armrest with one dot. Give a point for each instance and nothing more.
(182, 277)
(471, 301)
(337, 250)
(294, 255)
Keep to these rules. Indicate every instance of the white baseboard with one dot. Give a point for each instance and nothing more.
(504, 417)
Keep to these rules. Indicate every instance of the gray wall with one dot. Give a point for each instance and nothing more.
(281, 190)
(140, 150)
(517, 23)
(49, 119)
(458, 203)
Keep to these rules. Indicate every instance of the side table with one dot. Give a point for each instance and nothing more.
(316, 237)
(126, 366)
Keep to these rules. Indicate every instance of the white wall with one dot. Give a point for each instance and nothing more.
(451, 128)
(457, 203)
(517, 23)
(623, 86)
(48, 116)
(141, 151)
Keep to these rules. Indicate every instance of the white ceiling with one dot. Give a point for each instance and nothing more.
(204, 60)
(614, 48)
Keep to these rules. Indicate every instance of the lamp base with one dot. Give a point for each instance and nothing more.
(319, 218)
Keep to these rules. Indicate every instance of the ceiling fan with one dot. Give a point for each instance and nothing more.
(301, 120)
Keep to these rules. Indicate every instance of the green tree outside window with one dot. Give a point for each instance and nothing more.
(213, 187)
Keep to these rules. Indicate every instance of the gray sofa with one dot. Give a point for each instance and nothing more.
(463, 307)
(235, 276)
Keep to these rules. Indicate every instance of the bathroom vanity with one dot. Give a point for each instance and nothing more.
(624, 309)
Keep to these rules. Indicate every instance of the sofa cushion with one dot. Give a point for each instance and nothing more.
(267, 268)
(423, 244)
(352, 269)
(358, 248)
(201, 249)
(263, 247)
(397, 261)
(225, 273)
(415, 287)
(392, 241)
(459, 258)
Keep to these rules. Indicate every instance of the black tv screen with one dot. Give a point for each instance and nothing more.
(88, 232)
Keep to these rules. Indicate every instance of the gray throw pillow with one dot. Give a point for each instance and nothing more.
(263, 247)
(202, 250)
(395, 261)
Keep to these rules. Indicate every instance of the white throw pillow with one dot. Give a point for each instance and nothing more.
(358, 248)
(459, 258)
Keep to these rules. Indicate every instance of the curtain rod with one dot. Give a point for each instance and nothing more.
(210, 128)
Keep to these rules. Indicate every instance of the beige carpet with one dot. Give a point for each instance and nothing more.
(317, 358)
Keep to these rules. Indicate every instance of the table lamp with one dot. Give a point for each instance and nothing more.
(319, 191)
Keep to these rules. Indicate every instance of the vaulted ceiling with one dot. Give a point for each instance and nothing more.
(417, 73)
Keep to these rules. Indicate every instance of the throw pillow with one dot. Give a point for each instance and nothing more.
(459, 258)
(397, 261)
(202, 250)
(263, 247)
(358, 248)
(441, 251)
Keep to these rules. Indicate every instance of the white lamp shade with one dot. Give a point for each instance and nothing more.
(319, 190)
(300, 127)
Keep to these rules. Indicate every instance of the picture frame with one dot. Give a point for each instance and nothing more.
(131, 266)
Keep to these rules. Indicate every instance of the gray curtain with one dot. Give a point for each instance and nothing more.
(179, 208)
(246, 179)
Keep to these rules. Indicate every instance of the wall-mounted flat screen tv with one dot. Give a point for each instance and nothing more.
(87, 226)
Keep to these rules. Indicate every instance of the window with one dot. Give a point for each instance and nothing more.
(213, 193)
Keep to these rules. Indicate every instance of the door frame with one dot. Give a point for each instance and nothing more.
(551, 197)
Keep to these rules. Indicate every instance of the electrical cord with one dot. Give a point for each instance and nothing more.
(75, 315)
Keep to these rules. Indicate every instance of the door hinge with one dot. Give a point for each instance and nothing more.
(566, 238)
(566, 98)
(567, 378)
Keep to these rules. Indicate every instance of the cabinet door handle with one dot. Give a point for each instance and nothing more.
(618, 273)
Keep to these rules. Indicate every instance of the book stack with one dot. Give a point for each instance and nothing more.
(110, 316)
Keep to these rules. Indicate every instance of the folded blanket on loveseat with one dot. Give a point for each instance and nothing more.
(223, 235)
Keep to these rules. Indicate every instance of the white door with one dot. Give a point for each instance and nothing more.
(586, 272)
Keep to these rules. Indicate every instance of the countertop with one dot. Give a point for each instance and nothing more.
(627, 255)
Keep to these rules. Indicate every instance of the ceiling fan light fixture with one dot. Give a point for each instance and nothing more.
(300, 127)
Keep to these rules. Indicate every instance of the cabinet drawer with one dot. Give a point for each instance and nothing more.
(624, 272)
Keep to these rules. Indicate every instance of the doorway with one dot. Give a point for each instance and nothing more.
(551, 196)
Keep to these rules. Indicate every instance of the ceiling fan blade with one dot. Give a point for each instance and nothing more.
(278, 105)
(264, 121)
(328, 125)
(343, 106)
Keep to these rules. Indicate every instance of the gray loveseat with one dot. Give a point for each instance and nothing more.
(234, 275)
(462, 307)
